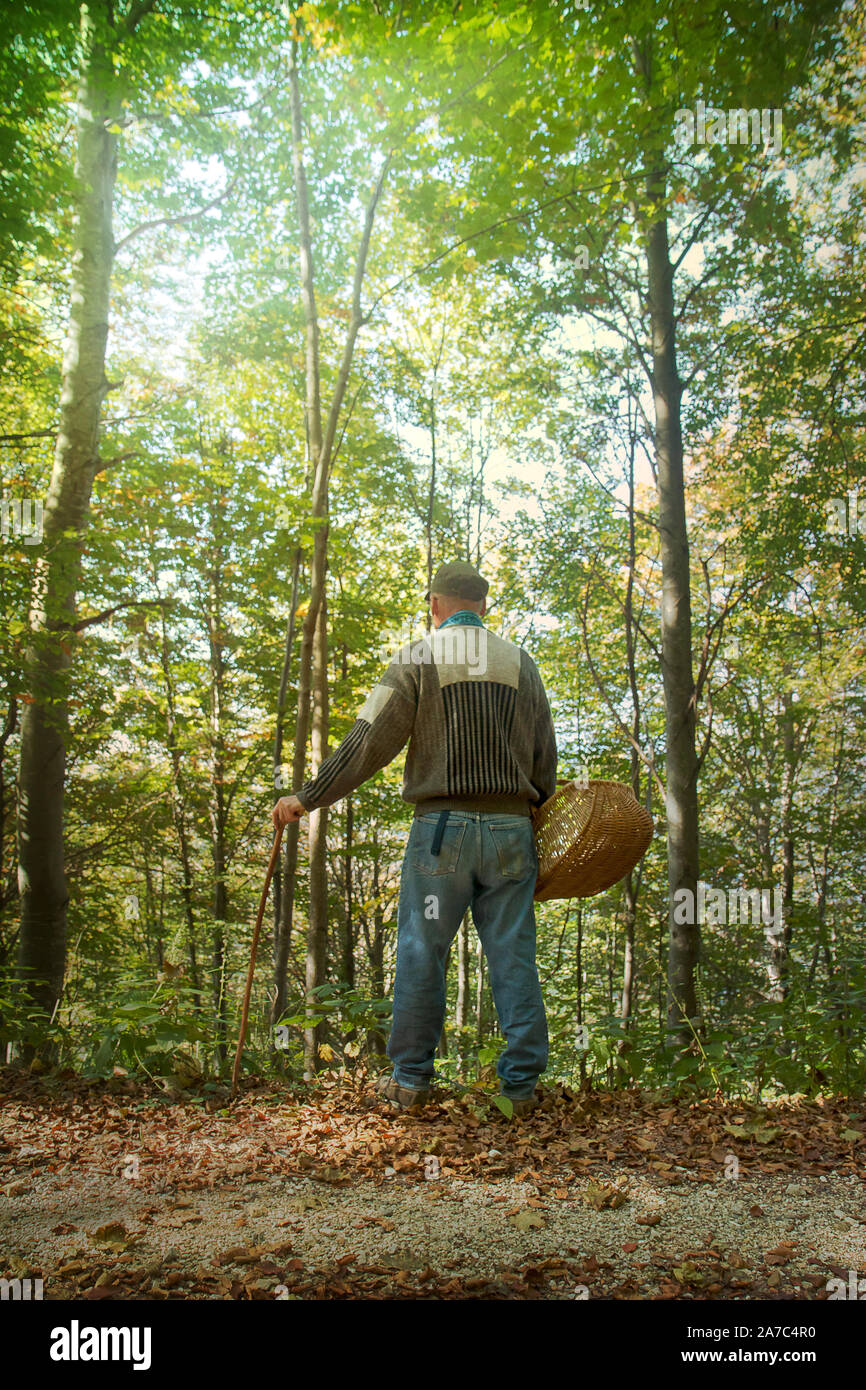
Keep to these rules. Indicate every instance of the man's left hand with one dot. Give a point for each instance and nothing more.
(287, 809)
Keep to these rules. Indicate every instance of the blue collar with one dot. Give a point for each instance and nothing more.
(464, 617)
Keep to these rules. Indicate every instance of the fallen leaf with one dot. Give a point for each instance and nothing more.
(780, 1256)
(526, 1220)
(602, 1197)
(113, 1233)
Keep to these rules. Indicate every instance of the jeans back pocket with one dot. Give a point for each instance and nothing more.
(445, 862)
(515, 850)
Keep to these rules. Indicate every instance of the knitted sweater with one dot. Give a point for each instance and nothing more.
(475, 713)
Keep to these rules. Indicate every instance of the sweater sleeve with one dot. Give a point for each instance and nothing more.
(384, 724)
(545, 752)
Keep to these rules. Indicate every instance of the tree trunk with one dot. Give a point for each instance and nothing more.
(321, 447)
(779, 942)
(317, 930)
(630, 915)
(578, 971)
(41, 868)
(461, 1016)
(347, 944)
(431, 491)
(280, 782)
(178, 802)
(442, 1050)
(479, 994)
(319, 511)
(8, 887)
(681, 766)
(632, 881)
(218, 815)
(821, 881)
(376, 947)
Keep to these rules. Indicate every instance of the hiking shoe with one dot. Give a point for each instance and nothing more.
(401, 1097)
(524, 1104)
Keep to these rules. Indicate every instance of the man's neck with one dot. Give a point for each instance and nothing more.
(462, 616)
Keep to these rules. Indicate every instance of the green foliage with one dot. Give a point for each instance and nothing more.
(516, 135)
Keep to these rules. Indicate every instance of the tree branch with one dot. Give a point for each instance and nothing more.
(102, 464)
(128, 603)
(519, 216)
(174, 221)
(31, 434)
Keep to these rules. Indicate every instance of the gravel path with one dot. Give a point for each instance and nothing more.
(708, 1234)
(108, 1191)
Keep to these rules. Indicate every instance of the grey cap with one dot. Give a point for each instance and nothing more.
(458, 580)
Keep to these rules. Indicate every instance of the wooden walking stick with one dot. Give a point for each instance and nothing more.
(249, 989)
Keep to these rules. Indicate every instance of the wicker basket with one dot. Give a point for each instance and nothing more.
(588, 838)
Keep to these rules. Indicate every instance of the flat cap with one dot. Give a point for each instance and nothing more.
(460, 580)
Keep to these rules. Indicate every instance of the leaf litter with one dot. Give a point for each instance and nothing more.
(453, 1201)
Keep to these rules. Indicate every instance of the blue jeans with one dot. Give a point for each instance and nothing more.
(487, 862)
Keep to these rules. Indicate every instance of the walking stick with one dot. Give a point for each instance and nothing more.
(248, 991)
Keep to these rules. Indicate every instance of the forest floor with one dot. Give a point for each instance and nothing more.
(113, 1190)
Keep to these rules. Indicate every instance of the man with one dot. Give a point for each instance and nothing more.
(482, 753)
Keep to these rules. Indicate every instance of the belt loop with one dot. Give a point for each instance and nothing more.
(439, 832)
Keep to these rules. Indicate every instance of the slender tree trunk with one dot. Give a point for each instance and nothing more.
(279, 778)
(681, 766)
(632, 881)
(317, 931)
(376, 946)
(287, 891)
(178, 804)
(821, 881)
(479, 993)
(630, 914)
(578, 973)
(218, 815)
(610, 956)
(431, 490)
(188, 909)
(218, 947)
(779, 942)
(321, 438)
(461, 1016)
(7, 879)
(347, 945)
(442, 1050)
(44, 731)
(319, 509)
(162, 898)
(218, 957)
